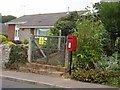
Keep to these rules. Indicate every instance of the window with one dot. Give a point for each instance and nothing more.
(41, 31)
(16, 33)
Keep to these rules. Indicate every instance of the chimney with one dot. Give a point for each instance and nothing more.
(68, 11)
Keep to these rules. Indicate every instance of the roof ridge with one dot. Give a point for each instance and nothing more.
(44, 14)
(50, 13)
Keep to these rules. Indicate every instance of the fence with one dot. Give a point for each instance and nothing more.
(47, 49)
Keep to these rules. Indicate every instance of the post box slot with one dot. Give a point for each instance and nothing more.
(70, 38)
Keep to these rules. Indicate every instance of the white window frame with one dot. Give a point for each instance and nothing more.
(16, 33)
(39, 29)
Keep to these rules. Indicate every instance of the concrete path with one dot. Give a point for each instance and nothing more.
(49, 81)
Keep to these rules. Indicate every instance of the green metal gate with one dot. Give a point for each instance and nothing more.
(49, 50)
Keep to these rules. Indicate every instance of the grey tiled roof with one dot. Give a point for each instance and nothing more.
(40, 19)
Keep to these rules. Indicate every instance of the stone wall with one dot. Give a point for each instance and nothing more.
(4, 53)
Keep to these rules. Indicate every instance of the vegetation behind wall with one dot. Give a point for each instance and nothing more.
(17, 57)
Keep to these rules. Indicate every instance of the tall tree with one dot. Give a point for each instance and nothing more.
(66, 24)
(7, 18)
(110, 16)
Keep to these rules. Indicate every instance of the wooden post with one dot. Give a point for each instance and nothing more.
(67, 59)
(48, 48)
(30, 48)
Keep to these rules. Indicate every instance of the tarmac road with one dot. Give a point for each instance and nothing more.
(7, 84)
(13, 84)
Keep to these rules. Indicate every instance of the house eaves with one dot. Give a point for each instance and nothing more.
(16, 22)
(34, 26)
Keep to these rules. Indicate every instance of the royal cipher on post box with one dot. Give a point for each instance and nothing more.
(71, 42)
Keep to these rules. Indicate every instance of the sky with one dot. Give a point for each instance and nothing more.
(27, 7)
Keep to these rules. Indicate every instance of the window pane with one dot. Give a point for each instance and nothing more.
(42, 31)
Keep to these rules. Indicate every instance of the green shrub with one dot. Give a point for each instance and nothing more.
(118, 45)
(2, 38)
(109, 62)
(97, 76)
(7, 43)
(4, 34)
(89, 46)
(26, 45)
(26, 42)
(17, 57)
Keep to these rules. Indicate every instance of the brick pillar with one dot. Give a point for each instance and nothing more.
(11, 31)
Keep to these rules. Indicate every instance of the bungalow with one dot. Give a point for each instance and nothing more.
(39, 24)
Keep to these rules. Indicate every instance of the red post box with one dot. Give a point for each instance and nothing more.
(71, 42)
